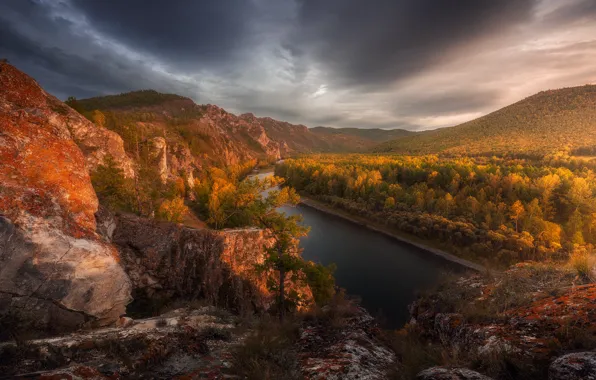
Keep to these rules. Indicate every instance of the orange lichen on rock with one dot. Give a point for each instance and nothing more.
(56, 273)
(19, 89)
(21, 96)
(531, 313)
(577, 304)
(43, 172)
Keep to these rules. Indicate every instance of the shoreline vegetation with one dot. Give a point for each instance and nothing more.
(493, 211)
(379, 228)
(400, 236)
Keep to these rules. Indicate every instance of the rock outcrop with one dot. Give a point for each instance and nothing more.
(54, 271)
(21, 94)
(353, 351)
(158, 152)
(441, 373)
(195, 344)
(181, 160)
(167, 261)
(202, 343)
(530, 314)
(575, 366)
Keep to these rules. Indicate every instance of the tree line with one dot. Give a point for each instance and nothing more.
(488, 208)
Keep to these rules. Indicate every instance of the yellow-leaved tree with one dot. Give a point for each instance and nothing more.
(172, 210)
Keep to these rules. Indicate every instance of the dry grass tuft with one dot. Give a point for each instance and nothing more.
(269, 353)
(584, 264)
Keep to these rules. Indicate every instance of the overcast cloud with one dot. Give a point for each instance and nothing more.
(415, 64)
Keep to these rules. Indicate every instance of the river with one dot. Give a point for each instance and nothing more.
(385, 273)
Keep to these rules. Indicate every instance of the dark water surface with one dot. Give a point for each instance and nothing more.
(385, 273)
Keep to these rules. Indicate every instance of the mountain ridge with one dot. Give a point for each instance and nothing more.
(250, 137)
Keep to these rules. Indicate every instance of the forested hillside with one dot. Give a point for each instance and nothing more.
(488, 209)
(538, 125)
(218, 136)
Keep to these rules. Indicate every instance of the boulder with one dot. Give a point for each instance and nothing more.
(442, 373)
(52, 282)
(575, 366)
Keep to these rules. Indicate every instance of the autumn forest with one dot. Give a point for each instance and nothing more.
(492, 210)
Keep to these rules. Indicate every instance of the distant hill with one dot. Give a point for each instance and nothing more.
(142, 98)
(217, 135)
(372, 134)
(537, 125)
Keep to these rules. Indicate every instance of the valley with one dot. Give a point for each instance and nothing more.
(298, 190)
(140, 209)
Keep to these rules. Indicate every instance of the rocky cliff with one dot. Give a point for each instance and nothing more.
(54, 270)
(166, 261)
(58, 270)
(24, 99)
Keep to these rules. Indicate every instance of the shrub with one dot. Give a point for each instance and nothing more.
(112, 187)
(583, 263)
(320, 280)
(173, 210)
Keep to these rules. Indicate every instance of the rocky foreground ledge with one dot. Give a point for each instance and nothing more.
(198, 344)
(534, 321)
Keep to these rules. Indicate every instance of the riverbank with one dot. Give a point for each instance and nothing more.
(377, 227)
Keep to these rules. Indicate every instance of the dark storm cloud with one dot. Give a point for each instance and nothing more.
(370, 43)
(185, 33)
(63, 72)
(343, 63)
(41, 39)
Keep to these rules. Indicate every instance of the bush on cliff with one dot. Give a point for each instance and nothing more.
(321, 281)
(144, 195)
(113, 189)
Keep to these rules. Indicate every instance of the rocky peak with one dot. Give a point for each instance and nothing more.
(248, 116)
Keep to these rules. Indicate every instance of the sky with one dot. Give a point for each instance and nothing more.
(412, 64)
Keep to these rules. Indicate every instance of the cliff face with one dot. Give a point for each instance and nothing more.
(53, 268)
(166, 261)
